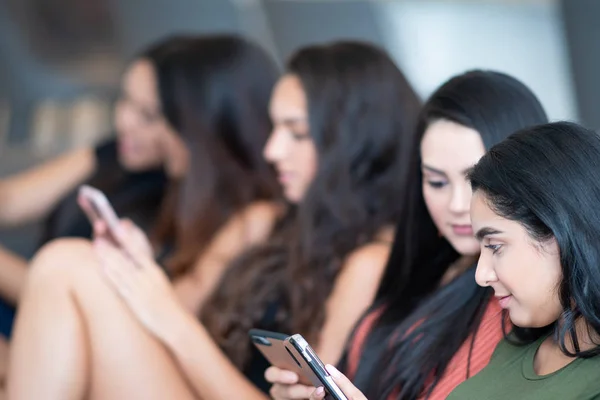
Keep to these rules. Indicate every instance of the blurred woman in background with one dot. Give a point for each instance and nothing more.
(48, 190)
(182, 109)
(343, 119)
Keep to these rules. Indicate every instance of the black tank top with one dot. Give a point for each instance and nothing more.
(137, 196)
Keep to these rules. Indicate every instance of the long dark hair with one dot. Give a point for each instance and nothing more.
(214, 91)
(547, 179)
(361, 113)
(421, 328)
(134, 194)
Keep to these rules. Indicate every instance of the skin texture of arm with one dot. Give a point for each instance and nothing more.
(31, 194)
(251, 227)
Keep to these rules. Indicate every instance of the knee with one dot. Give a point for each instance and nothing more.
(60, 256)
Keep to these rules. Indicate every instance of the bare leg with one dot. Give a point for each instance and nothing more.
(48, 351)
(75, 338)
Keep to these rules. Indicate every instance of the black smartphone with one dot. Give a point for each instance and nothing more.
(312, 366)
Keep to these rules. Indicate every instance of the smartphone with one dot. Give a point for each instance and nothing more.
(312, 366)
(272, 347)
(99, 207)
(294, 354)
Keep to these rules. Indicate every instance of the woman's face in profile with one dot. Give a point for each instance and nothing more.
(524, 273)
(145, 139)
(290, 147)
(448, 151)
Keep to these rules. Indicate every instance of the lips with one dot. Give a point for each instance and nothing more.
(462, 230)
(504, 301)
(126, 146)
(284, 177)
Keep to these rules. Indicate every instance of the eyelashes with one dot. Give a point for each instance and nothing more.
(437, 184)
(300, 136)
(494, 247)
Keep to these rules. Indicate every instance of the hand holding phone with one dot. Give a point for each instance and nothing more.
(312, 366)
(98, 209)
(123, 233)
(272, 347)
(349, 390)
(294, 354)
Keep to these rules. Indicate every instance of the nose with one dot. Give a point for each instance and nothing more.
(485, 274)
(461, 199)
(125, 117)
(275, 148)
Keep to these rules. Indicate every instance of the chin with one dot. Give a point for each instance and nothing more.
(292, 199)
(521, 321)
(293, 196)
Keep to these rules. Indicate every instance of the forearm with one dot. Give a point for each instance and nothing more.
(31, 194)
(13, 272)
(205, 366)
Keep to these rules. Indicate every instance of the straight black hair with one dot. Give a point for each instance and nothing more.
(547, 178)
(421, 328)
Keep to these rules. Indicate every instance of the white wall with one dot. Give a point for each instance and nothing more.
(433, 40)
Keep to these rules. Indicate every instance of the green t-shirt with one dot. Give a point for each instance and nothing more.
(510, 375)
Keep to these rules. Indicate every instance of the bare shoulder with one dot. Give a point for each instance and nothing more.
(262, 210)
(369, 258)
(373, 254)
(258, 219)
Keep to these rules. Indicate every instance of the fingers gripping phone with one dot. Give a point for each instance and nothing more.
(306, 358)
(293, 353)
(97, 207)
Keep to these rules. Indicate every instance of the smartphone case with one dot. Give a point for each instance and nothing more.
(312, 367)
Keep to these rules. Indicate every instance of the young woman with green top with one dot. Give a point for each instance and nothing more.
(535, 212)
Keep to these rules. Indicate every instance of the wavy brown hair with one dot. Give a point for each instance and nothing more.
(214, 92)
(361, 113)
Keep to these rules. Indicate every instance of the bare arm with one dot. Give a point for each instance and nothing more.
(353, 292)
(13, 271)
(206, 368)
(238, 235)
(149, 295)
(31, 194)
